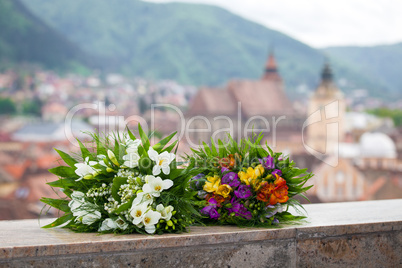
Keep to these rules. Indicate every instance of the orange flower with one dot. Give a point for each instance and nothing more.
(220, 199)
(265, 191)
(230, 161)
(273, 193)
(280, 193)
(279, 181)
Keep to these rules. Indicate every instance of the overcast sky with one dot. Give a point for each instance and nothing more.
(322, 23)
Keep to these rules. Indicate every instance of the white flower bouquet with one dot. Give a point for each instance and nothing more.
(123, 185)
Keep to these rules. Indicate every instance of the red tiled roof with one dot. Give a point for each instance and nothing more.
(261, 97)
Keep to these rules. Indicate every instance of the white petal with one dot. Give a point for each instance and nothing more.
(136, 221)
(167, 184)
(160, 207)
(147, 188)
(138, 199)
(150, 229)
(166, 170)
(156, 170)
(153, 155)
(154, 215)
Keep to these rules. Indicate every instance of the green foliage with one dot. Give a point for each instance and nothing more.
(25, 38)
(394, 114)
(98, 189)
(190, 43)
(7, 106)
(209, 160)
(378, 65)
(32, 107)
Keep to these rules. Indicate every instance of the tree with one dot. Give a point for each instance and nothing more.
(7, 106)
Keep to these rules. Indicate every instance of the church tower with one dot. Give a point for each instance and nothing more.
(271, 70)
(326, 112)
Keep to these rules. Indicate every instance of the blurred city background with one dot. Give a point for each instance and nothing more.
(235, 64)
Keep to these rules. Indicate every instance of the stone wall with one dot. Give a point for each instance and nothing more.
(360, 234)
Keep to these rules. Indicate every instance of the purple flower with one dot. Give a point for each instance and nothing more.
(214, 214)
(224, 169)
(267, 162)
(277, 171)
(211, 210)
(195, 183)
(239, 209)
(232, 179)
(243, 192)
(275, 221)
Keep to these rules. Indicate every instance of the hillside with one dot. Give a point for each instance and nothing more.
(193, 44)
(196, 44)
(26, 39)
(383, 63)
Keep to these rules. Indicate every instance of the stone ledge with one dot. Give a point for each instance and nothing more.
(335, 233)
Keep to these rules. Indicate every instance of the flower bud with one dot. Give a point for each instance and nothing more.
(112, 157)
(110, 169)
(88, 177)
(169, 223)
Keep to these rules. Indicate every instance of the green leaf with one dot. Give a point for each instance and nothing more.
(170, 147)
(207, 149)
(144, 165)
(67, 158)
(159, 146)
(84, 151)
(63, 183)
(63, 219)
(116, 149)
(213, 148)
(144, 139)
(61, 204)
(124, 207)
(100, 149)
(63, 171)
(117, 182)
(130, 134)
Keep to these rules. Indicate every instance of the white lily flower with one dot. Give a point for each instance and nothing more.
(77, 199)
(162, 161)
(75, 204)
(166, 212)
(121, 223)
(143, 197)
(156, 185)
(84, 169)
(77, 195)
(91, 217)
(138, 212)
(132, 145)
(131, 159)
(150, 219)
(101, 158)
(108, 224)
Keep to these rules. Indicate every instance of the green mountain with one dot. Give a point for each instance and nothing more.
(26, 39)
(195, 44)
(381, 63)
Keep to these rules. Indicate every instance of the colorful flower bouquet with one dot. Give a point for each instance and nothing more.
(123, 185)
(246, 185)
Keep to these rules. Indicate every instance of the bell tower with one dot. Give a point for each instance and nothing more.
(326, 112)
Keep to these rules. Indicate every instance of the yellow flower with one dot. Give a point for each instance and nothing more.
(224, 190)
(212, 184)
(258, 171)
(251, 175)
(245, 176)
